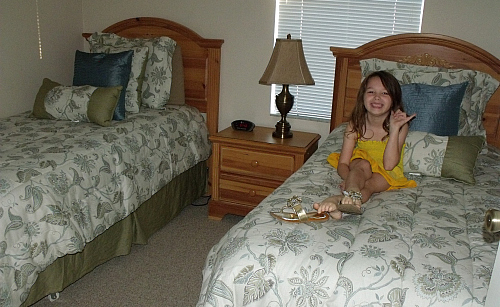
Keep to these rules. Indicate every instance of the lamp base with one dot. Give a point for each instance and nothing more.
(284, 103)
(283, 130)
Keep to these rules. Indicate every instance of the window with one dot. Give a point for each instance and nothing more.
(343, 23)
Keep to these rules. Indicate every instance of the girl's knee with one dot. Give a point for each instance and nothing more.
(362, 164)
(378, 183)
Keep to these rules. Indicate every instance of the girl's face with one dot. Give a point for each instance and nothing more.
(377, 100)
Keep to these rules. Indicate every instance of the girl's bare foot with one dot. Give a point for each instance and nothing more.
(330, 205)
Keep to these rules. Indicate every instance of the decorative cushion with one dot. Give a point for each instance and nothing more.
(39, 105)
(133, 94)
(437, 107)
(479, 90)
(76, 103)
(104, 70)
(442, 156)
(158, 74)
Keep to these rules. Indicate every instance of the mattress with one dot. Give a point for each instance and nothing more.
(422, 246)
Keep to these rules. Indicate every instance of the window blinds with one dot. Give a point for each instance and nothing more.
(342, 23)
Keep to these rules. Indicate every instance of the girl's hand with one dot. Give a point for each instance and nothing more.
(398, 119)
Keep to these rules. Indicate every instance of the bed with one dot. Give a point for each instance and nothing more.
(423, 246)
(82, 189)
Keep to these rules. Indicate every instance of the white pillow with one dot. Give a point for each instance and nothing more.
(133, 95)
(76, 103)
(442, 156)
(69, 102)
(158, 75)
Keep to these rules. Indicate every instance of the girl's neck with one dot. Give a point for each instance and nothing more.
(374, 128)
(375, 120)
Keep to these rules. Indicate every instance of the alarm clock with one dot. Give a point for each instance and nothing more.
(243, 125)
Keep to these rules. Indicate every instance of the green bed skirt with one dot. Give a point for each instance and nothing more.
(150, 217)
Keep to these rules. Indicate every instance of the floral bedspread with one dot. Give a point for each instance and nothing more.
(422, 246)
(63, 183)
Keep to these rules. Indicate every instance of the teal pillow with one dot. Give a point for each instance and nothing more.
(104, 70)
(437, 107)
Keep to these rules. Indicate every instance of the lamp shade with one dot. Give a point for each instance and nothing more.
(287, 64)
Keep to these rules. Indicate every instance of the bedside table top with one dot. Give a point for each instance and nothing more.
(265, 135)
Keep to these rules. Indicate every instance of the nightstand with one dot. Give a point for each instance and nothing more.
(248, 166)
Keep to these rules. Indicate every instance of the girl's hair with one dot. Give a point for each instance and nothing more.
(358, 115)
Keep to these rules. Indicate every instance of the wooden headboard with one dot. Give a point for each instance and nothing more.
(200, 56)
(421, 49)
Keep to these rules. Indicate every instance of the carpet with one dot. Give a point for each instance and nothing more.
(165, 272)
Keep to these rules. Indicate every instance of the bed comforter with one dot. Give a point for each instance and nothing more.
(64, 183)
(423, 246)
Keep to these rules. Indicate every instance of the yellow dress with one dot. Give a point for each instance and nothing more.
(373, 152)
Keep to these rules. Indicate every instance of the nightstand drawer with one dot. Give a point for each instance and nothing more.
(266, 165)
(244, 193)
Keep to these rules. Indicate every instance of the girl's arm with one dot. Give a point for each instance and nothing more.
(348, 145)
(398, 130)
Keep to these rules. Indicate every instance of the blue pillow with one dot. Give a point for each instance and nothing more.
(437, 107)
(104, 70)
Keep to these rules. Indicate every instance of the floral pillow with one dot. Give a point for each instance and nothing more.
(481, 87)
(133, 94)
(442, 156)
(158, 74)
(76, 103)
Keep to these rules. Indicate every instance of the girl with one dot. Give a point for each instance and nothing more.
(371, 157)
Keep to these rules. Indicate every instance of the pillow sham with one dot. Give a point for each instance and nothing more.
(451, 157)
(133, 94)
(76, 103)
(479, 90)
(437, 107)
(104, 70)
(158, 75)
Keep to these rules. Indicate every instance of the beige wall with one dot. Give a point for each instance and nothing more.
(21, 69)
(246, 26)
(247, 30)
(477, 22)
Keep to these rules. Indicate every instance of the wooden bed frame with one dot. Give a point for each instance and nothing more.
(201, 61)
(421, 49)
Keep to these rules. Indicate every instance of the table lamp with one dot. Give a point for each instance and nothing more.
(287, 66)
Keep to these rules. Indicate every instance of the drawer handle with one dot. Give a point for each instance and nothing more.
(252, 193)
(255, 163)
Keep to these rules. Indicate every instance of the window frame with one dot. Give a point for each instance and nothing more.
(320, 61)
